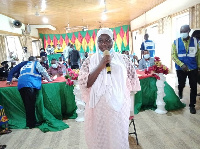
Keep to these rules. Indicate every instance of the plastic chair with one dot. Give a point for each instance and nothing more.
(131, 118)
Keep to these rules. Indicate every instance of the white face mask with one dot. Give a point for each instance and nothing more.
(42, 50)
(60, 62)
(184, 35)
(54, 65)
(146, 56)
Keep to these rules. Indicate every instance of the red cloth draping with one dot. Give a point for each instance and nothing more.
(59, 79)
(141, 75)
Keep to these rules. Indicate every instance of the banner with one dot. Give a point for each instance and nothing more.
(85, 41)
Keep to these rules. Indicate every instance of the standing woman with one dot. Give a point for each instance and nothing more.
(107, 96)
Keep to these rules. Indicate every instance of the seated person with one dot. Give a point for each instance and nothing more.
(58, 49)
(43, 53)
(4, 70)
(61, 61)
(13, 64)
(16, 75)
(44, 62)
(50, 49)
(56, 68)
(135, 61)
(146, 61)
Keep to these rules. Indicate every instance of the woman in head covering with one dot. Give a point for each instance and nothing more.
(107, 96)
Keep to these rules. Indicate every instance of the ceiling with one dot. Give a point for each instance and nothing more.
(76, 12)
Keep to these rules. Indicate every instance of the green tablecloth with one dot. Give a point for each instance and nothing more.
(50, 57)
(146, 98)
(55, 101)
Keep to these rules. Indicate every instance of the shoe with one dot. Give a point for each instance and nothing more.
(180, 95)
(192, 110)
(3, 146)
(36, 125)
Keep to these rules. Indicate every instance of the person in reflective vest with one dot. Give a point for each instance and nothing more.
(148, 45)
(29, 82)
(186, 55)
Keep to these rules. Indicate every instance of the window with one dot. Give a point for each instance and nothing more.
(14, 48)
(36, 45)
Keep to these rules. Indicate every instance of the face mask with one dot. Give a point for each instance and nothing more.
(146, 56)
(42, 50)
(184, 35)
(60, 62)
(54, 65)
(45, 61)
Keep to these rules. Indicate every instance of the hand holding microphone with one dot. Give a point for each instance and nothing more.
(107, 55)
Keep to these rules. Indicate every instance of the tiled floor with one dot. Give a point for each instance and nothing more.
(174, 130)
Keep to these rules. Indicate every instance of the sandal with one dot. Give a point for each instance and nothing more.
(5, 132)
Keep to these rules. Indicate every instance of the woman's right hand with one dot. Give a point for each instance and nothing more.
(106, 59)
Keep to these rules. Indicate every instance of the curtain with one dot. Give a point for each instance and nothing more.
(194, 13)
(26, 41)
(3, 53)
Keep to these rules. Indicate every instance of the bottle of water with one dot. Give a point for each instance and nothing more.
(148, 65)
(64, 72)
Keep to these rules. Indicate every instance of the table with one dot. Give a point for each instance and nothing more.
(146, 98)
(55, 101)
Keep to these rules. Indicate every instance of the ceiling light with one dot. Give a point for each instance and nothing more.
(104, 17)
(102, 2)
(45, 20)
(43, 5)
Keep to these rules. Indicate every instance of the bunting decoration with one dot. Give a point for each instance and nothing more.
(85, 41)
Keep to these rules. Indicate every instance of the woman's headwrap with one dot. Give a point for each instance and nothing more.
(107, 31)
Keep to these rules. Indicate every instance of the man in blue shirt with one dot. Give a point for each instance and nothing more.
(29, 82)
(146, 61)
(148, 45)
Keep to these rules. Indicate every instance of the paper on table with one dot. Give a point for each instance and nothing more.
(45, 80)
(55, 77)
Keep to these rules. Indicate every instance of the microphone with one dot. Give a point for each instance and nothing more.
(108, 69)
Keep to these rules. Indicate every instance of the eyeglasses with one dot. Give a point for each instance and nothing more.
(104, 41)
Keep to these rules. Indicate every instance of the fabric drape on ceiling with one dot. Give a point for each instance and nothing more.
(3, 54)
(194, 13)
(85, 41)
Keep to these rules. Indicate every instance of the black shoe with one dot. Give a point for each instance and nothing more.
(2, 146)
(36, 125)
(180, 94)
(192, 110)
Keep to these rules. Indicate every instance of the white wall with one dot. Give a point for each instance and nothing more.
(34, 32)
(6, 26)
(166, 8)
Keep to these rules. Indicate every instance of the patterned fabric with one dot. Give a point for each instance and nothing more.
(3, 56)
(106, 128)
(3, 117)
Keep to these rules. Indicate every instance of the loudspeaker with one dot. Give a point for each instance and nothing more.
(17, 23)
